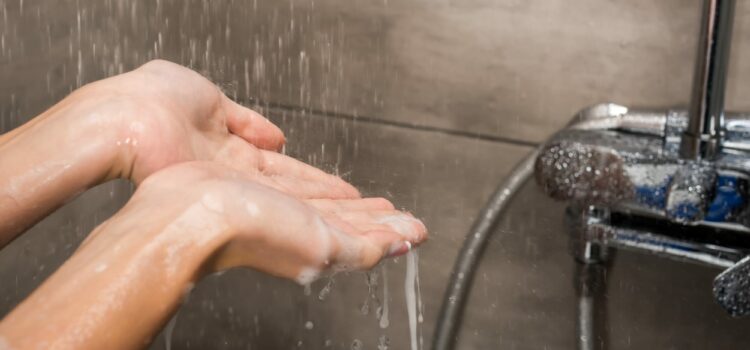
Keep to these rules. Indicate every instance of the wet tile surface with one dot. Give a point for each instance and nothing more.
(515, 69)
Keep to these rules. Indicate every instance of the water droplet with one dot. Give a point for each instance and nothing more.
(383, 343)
(326, 290)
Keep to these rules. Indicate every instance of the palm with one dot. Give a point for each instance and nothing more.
(172, 114)
(320, 229)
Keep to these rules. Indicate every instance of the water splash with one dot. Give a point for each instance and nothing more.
(412, 297)
(383, 343)
(384, 320)
(420, 306)
(168, 330)
(323, 294)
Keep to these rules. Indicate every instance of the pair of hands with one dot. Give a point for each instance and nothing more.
(213, 193)
(176, 135)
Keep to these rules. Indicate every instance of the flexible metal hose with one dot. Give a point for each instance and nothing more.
(470, 254)
(605, 116)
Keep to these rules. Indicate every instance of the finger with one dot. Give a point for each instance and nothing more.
(238, 154)
(252, 126)
(309, 189)
(242, 156)
(283, 173)
(391, 244)
(334, 206)
(402, 223)
(376, 245)
(278, 164)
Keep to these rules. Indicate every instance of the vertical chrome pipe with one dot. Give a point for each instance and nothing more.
(702, 139)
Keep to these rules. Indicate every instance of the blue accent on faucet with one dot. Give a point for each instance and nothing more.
(685, 211)
(727, 199)
(654, 197)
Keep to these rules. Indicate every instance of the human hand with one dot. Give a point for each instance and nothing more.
(166, 114)
(193, 218)
(244, 223)
(127, 126)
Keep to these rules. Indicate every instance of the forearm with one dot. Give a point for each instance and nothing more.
(120, 287)
(50, 159)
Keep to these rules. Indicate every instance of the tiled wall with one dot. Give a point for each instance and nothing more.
(512, 71)
(516, 69)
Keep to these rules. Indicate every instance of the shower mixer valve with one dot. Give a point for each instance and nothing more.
(674, 183)
(624, 167)
(613, 163)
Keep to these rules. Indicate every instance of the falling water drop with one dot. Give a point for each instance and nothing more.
(384, 321)
(383, 343)
(168, 330)
(411, 297)
(326, 290)
(365, 307)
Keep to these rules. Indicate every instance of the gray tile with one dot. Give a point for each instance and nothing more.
(516, 69)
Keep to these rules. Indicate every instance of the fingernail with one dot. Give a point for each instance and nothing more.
(399, 248)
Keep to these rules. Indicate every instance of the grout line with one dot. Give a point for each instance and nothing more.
(372, 120)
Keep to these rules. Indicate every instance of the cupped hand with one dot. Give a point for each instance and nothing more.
(193, 218)
(252, 224)
(167, 114)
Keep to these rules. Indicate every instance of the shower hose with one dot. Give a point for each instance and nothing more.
(606, 116)
(454, 300)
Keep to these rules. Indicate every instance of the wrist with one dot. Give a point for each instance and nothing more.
(178, 239)
(101, 117)
(47, 161)
(142, 258)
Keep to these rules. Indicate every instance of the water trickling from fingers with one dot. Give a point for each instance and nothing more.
(412, 298)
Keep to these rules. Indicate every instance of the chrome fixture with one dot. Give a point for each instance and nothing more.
(673, 183)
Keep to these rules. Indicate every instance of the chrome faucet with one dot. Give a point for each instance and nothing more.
(703, 136)
(675, 183)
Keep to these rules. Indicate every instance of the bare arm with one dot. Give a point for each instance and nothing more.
(113, 293)
(46, 162)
